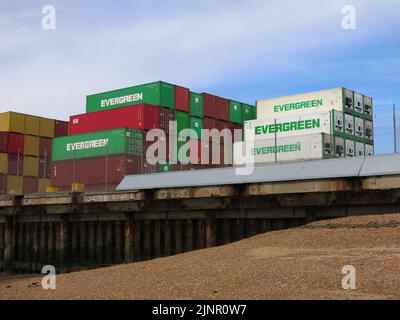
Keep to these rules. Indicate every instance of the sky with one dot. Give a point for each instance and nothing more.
(244, 50)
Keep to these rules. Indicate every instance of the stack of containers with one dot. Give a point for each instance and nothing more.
(91, 157)
(317, 125)
(25, 151)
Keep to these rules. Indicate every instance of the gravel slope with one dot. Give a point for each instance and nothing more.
(302, 263)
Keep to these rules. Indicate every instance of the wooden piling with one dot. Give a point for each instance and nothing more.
(129, 244)
(83, 242)
(210, 230)
(156, 239)
(137, 242)
(9, 239)
(118, 236)
(99, 243)
(147, 240)
(91, 243)
(188, 236)
(178, 236)
(166, 238)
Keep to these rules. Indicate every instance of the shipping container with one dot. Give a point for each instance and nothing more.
(31, 145)
(3, 184)
(340, 99)
(209, 123)
(166, 167)
(45, 147)
(60, 128)
(182, 122)
(224, 129)
(3, 163)
(155, 93)
(209, 105)
(235, 112)
(350, 148)
(359, 127)
(222, 109)
(44, 168)
(32, 125)
(15, 143)
(12, 122)
(349, 124)
(182, 99)
(360, 149)
(329, 122)
(46, 128)
(94, 171)
(142, 116)
(15, 164)
(340, 150)
(369, 150)
(297, 148)
(196, 124)
(98, 144)
(30, 185)
(368, 105)
(247, 113)
(14, 185)
(155, 148)
(368, 130)
(358, 103)
(196, 105)
(43, 184)
(166, 117)
(4, 142)
(31, 166)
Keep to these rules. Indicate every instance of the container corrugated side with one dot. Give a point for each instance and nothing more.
(12, 122)
(155, 93)
(330, 122)
(301, 103)
(98, 144)
(32, 125)
(297, 148)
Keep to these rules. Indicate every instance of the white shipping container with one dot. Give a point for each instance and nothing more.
(340, 99)
(340, 150)
(298, 148)
(360, 152)
(358, 102)
(369, 150)
(368, 106)
(368, 130)
(359, 127)
(296, 125)
(349, 124)
(350, 148)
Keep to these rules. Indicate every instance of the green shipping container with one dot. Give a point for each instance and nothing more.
(182, 121)
(196, 105)
(196, 124)
(165, 167)
(156, 93)
(254, 112)
(246, 112)
(98, 144)
(235, 112)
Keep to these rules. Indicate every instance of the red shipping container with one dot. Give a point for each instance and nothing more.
(15, 164)
(182, 96)
(149, 168)
(93, 171)
(44, 168)
(140, 116)
(45, 147)
(30, 185)
(221, 158)
(3, 142)
(222, 109)
(237, 131)
(203, 152)
(3, 184)
(60, 128)
(166, 116)
(15, 143)
(209, 105)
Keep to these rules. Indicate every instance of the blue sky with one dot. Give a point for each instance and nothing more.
(244, 50)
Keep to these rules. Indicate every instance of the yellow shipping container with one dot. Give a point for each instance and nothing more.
(3, 163)
(31, 145)
(12, 122)
(14, 185)
(31, 166)
(77, 187)
(46, 128)
(51, 189)
(43, 185)
(32, 125)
